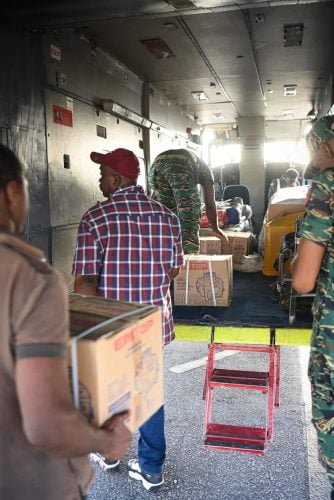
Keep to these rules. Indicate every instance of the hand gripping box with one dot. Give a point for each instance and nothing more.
(204, 280)
(115, 358)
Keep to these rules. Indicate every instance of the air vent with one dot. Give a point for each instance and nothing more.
(293, 35)
(218, 116)
(290, 90)
(101, 131)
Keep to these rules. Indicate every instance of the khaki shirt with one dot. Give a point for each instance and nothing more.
(34, 323)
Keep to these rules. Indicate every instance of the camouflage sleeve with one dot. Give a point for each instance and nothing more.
(204, 172)
(318, 223)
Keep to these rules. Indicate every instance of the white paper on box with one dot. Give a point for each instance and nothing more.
(204, 280)
(211, 281)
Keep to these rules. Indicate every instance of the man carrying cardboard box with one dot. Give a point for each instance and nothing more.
(44, 439)
(129, 248)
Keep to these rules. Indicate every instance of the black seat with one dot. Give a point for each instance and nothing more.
(237, 191)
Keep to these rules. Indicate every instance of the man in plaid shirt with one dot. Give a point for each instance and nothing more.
(129, 248)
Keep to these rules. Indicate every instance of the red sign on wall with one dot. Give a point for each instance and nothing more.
(62, 116)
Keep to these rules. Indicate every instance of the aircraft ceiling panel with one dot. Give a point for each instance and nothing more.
(185, 64)
(231, 51)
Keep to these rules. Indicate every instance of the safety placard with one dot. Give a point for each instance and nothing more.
(62, 116)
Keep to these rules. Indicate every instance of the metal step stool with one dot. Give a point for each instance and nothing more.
(233, 437)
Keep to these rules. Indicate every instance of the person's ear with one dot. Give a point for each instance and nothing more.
(326, 150)
(13, 193)
(116, 180)
(330, 148)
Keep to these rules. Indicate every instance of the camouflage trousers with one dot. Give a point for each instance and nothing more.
(321, 374)
(178, 191)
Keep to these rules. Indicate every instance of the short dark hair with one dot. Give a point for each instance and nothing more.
(292, 173)
(11, 168)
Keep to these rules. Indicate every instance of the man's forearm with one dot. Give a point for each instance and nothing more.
(70, 435)
(306, 265)
(86, 285)
(211, 214)
(51, 422)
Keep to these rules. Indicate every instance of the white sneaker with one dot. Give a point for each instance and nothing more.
(149, 480)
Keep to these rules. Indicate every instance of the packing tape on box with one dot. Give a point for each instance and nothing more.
(74, 348)
(211, 281)
(212, 287)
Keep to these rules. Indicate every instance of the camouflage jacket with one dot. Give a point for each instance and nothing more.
(177, 158)
(318, 227)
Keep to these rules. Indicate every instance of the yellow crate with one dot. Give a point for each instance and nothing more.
(274, 231)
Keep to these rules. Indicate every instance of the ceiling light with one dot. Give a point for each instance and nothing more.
(290, 90)
(218, 116)
(270, 91)
(171, 26)
(288, 113)
(118, 110)
(199, 95)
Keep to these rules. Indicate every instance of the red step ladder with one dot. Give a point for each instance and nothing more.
(233, 437)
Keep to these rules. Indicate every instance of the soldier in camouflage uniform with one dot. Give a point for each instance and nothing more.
(315, 261)
(173, 178)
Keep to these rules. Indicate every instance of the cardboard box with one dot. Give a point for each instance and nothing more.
(204, 280)
(210, 245)
(206, 232)
(281, 209)
(119, 358)
(238, 245)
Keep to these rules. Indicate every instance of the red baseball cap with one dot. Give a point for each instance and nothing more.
(121, 160)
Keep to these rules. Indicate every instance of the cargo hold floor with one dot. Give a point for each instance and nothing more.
(253, 305)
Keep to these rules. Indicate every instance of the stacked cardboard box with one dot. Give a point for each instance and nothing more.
(210, 245)
(204, 280)
(278, 210)
(238, 245)
(115, 358)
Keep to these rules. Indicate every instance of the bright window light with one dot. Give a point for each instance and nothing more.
(207, 136)
(274, 152)
(224, 154)
(286, 151)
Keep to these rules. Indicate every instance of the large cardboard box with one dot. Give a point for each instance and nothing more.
(210, 245)
(204, 280)
(116, 358)
(237, 246)
(278, 210)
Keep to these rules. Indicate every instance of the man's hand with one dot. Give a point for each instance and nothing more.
(221, 235)
(118, 437)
